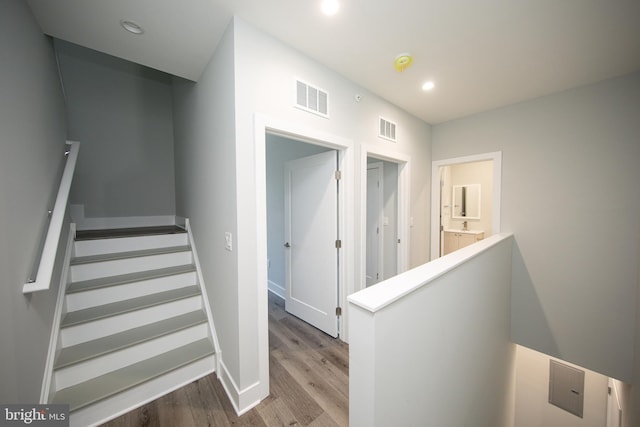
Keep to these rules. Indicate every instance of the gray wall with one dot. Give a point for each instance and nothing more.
(206, 186)
(571, 197)
(32, 136)
(122, 114)
(279, 151)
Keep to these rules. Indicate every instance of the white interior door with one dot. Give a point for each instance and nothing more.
(374, 224)
(614, 410)
(311, 231)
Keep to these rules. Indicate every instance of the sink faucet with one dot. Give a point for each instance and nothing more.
(464, 226)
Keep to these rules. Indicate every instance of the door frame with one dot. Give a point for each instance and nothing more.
(380, 208)
(496, 156)
(403, 221)
(264, 124)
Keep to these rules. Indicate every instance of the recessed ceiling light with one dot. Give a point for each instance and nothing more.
(132, 27)
(330, 7)
(428, 85)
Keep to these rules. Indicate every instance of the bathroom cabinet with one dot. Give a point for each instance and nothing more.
(456, 239)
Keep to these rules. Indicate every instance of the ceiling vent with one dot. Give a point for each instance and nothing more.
(387, 129)
(312, 99)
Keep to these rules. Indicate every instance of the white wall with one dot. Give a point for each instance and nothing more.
(122, 114)
(279, 151)
(264, 73)
(431, 347)
(571, 197)
(532, 407)
(32, 143)
(206, 189)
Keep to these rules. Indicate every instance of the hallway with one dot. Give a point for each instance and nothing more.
(309, 385)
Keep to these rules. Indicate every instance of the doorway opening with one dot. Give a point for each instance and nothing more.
(263, 126)
(302, 229)
(381, 220)
(465, 201)
(385, 220)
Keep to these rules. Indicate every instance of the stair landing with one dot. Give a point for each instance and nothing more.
(128, 232)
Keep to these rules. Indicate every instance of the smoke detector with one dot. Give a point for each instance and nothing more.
(402, 62)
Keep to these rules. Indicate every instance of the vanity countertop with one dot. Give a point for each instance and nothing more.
(451, 230)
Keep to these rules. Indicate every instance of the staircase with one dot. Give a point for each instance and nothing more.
(134, 323)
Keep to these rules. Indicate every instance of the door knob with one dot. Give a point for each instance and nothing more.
(287, 245)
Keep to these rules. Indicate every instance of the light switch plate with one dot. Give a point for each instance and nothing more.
(566, 387)
(228, 241)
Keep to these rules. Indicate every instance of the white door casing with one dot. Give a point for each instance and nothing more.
(614, 409)
(375, 244)
(403, 219)
(496, 156)
(311, 231)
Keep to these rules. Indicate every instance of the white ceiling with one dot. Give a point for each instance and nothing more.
(481, 54)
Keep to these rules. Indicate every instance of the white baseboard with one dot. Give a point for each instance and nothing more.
(241, 400)
(181, 221)
(84, 223)
(276, 289)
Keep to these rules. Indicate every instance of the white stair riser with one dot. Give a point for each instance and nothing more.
(95, 270)
(84, 371)
(121, 403)
(96, 297)
(125, 244)
(77, 334)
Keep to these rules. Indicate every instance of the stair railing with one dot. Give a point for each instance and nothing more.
(41, 278)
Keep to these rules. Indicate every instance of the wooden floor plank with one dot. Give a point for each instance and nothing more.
(324, 420)
(285, 340)
(283, 386)
(174, 410)
(314, 384)
(277, 413)
(205, 404)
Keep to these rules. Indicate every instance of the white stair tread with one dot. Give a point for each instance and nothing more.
(131, 254)
(121, 279)
(111, 309)
(94, 390)
(104, 345)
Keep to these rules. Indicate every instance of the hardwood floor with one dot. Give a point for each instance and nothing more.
(309, 384)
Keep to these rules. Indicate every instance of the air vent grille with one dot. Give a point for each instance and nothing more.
(311, 98)
(387, 129)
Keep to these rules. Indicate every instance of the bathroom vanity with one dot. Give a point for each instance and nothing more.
(456, 239)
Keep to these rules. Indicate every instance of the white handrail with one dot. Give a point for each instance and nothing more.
(42, 280)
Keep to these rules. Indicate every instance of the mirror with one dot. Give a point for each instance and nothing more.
(466, 201)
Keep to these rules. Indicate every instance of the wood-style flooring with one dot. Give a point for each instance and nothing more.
(309, 385)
